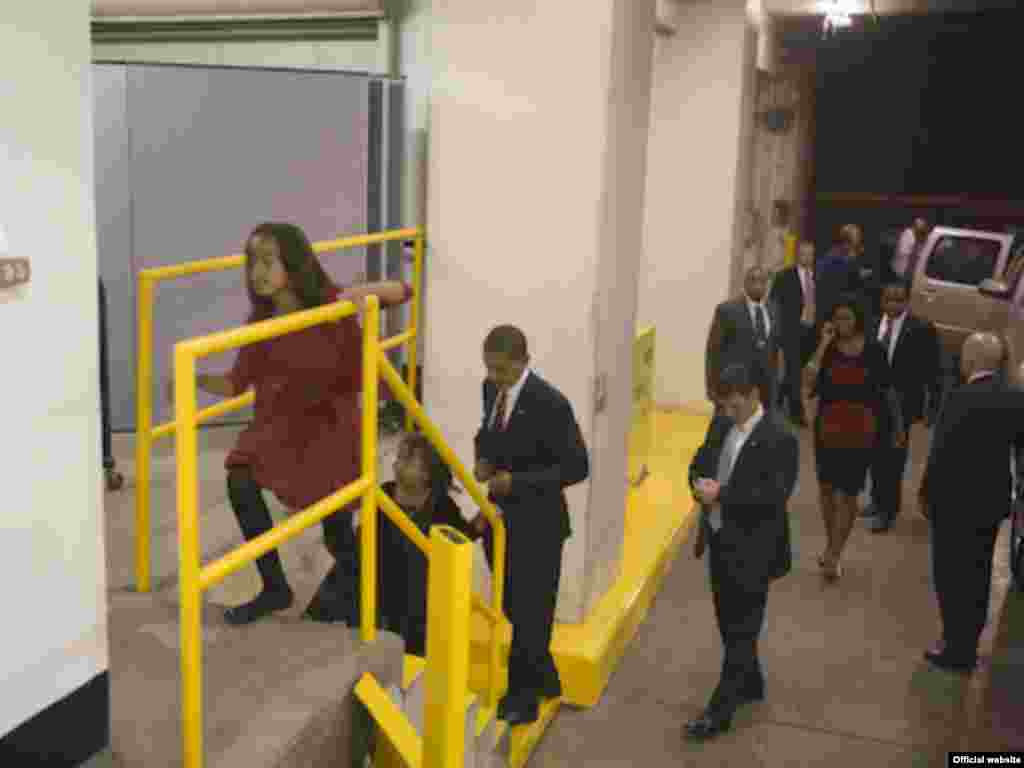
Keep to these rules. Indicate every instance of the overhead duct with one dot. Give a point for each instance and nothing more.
(104, 9)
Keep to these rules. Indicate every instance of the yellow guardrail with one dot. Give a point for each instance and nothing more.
(443, 742)
(146, 434)
(449, 666)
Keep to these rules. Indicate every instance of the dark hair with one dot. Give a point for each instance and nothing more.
(741, 379)
(306, 276)
(853, 303)
(506, 340)
(441, 481)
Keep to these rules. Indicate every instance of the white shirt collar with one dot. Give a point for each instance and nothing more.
(751, 303)
(897, 322)
(755, 419)
(511, 397)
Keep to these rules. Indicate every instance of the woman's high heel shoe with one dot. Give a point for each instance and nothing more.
(831, 571)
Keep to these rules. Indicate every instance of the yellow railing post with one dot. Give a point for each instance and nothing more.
(447, 676)
(433, 434)
(368, 514)
(143, 429)
(188, 555)
(412, 359)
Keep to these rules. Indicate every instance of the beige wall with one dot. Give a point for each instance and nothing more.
(621, 237)
(520, 162)
(701, 96)
(780, 159)
(51, 541)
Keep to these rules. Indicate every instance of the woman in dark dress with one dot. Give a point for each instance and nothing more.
(851, 378)
(421, 488)
(303, 442)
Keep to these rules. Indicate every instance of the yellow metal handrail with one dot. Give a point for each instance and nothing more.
(444, 738)
(194, 578)
(145, 433)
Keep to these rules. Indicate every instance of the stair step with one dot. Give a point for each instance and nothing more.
(277, 693)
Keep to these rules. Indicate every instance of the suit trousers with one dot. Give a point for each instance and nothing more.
(798, 350)
(888, 465)
(740, 612)
(962, 574)
(533, 568)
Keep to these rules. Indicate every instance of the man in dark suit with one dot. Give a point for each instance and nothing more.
(793, 292)
(743, 476)
(529, 449)
(746, 329)
(912, 347)
(965, 494)
(837, 271)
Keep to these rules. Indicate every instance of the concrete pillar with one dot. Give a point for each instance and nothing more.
(698, 185)
(538, 132)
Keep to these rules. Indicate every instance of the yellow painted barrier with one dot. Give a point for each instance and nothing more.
(433, 434)
(450, 572)
(444, 711)
(392, 720)
(145, 433)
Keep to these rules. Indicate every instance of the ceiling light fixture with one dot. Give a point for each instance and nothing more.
(838, 14)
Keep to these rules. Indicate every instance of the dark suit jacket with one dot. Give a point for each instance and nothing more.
(836, 275)
(754, 539)
(967, 480)
(788, 295)
(542, 447)
(916, 365)
(732, 340)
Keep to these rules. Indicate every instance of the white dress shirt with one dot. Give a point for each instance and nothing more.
(752, 309)
(897, 328)
(739, 435)
(806, 286)
(904, 250)
(510, 399)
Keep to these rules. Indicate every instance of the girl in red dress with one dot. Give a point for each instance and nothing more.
(304, 441)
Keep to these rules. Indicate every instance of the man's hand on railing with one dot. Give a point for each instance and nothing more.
(479, 524)
(483, 471)
(501, 483)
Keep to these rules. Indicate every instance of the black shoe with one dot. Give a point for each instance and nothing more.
(552, 690)
(518, 709)
(266, 603)
(753, 693)
(880, 524)
(944, 660)
(508, 701)
(707, 727)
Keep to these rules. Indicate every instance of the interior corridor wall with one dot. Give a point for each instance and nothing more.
(698, 173)
(51, 542)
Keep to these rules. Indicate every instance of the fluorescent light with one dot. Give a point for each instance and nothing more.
(838, 13)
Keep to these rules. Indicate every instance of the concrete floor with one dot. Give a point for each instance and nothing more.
(846, 683)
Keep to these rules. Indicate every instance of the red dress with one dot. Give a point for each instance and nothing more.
(304, 441)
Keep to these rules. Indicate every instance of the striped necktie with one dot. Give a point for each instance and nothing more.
(499, 411)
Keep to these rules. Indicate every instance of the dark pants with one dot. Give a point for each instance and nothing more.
(532, 572)
(888, 465)
(962, 573)
(798, 350)
(336, 593)
(105, 429)
(739, 610)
